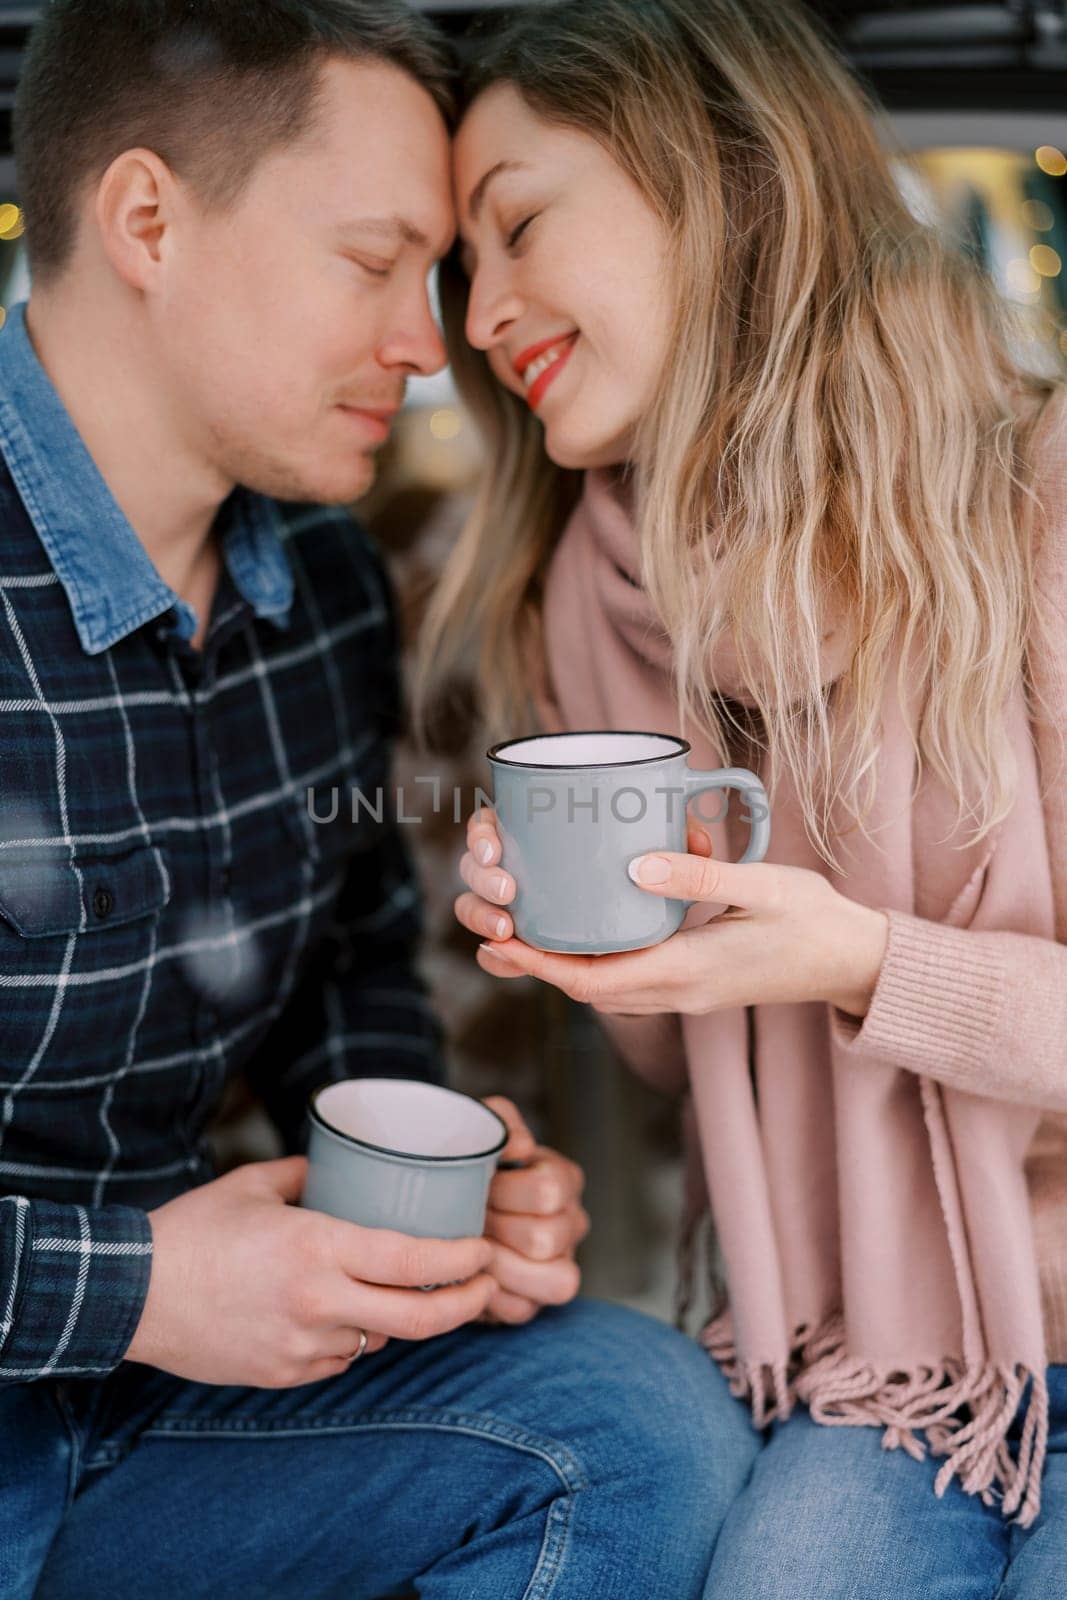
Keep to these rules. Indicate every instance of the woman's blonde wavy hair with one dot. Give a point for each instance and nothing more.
(842, 414)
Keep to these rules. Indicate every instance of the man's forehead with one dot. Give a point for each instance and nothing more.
(374, 161)
(379, 123)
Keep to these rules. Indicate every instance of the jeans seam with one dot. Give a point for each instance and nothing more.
(565, 1465)
(557, 1520)
(66, 1414)
(553, 1549)
(1002, 1586)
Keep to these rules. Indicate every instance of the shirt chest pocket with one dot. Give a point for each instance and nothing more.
(78, 947)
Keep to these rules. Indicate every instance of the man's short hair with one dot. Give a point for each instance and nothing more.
(209, 85)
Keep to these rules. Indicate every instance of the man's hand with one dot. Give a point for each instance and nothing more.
(537, 1221)
(247, 1289)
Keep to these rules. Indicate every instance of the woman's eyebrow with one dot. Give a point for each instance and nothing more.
(474, 205)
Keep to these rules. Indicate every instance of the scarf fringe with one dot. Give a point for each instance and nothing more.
(841, 1391)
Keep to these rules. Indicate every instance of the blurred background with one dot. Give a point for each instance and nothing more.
(977, 95)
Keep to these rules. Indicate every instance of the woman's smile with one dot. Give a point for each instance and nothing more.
(541, 364)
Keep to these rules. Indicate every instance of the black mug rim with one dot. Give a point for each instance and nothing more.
(683, 749)
(316, 1116)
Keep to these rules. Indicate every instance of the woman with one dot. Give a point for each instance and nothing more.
(765, 472)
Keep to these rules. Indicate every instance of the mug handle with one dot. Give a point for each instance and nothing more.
(747, 784)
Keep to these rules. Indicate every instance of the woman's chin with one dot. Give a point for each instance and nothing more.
(580, 455)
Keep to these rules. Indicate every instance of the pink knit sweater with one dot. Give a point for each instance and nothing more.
(983, 1011)
(987, 1012)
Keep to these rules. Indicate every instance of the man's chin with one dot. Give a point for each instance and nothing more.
(327, 486)
(341, 489)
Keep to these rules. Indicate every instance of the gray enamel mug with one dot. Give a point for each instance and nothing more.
(574, 809)
(414, 1157)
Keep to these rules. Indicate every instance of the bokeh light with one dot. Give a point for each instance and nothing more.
(1037, 215)
(221, 959)
(11, 223)
(445, 423)
(1045, 326)
(1051, 160)
(1045, 261)
(1021, 279)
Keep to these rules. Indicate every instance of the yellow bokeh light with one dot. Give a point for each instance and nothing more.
(1045, 260)
(1021, 278)
(3, 316)
(1051, 160)
(445, 424)
(1037, 215)
(11, 223)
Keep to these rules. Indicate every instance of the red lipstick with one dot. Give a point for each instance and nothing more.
(531, 353)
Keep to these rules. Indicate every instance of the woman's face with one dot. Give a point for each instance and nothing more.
(568, 269)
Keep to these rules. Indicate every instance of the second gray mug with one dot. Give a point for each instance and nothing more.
(401, 1154)
(573, 809)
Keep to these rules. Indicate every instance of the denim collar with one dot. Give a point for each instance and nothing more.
(110, 581)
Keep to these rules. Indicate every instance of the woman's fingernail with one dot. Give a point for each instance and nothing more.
(649, 869)
(483, 850)
(500, 927)
(500, 888)
(497, 955)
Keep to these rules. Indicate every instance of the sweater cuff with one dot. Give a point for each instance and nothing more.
(937, 1000)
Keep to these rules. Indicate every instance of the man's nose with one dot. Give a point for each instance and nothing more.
(419, 347)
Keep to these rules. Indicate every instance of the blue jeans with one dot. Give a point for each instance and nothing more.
(829, 1515)
(591, 1455)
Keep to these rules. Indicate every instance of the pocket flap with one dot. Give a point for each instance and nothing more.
(47, 896)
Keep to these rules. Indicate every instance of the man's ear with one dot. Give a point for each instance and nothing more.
(135, 206)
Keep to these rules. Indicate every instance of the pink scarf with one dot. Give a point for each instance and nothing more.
(874, 1225)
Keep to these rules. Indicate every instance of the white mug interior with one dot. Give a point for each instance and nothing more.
(588, 749)
(407, 1118)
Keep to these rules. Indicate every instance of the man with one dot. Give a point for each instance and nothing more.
(232, 210)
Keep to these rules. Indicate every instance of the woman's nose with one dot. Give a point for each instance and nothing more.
(491, 311)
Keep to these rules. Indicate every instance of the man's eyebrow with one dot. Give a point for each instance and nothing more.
(474, 205)
(394, 227)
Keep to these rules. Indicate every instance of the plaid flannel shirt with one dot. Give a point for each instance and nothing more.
(170, 914)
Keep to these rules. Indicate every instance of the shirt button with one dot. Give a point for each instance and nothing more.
(103, 904)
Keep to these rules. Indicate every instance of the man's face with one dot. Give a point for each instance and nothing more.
(289, 323)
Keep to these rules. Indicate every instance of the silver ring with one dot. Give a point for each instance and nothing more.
(362, 1346)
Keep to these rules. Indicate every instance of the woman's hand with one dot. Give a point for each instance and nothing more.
(535, 1221)
(790, 936)
(491, 888)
